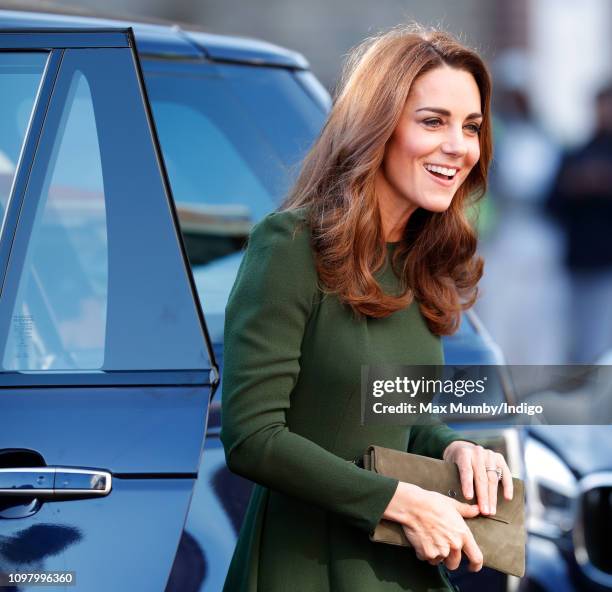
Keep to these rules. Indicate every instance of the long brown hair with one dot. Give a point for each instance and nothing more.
(436, 258)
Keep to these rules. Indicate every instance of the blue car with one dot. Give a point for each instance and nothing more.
(133, 163)
(569, 479)
(107, 369)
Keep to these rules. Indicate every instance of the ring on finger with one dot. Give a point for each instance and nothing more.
(497, 470)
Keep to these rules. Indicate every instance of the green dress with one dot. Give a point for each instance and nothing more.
(291, 420)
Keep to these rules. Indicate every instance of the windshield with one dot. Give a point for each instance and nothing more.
(232, 137)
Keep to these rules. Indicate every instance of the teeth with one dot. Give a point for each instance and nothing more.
(442, 170)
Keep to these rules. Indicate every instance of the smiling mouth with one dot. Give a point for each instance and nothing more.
(443, 173)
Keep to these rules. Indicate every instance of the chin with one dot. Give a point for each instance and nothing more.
(436, 205)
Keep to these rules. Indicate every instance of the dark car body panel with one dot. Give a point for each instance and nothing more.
(138, 430)
(105, 541)
(163, 41)
(246, 51)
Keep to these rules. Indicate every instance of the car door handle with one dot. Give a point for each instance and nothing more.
(54, 482)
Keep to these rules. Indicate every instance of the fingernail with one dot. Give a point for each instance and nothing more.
(493, 510)
(485, 509)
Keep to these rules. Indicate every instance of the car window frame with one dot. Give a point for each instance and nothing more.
(55, 42)
(28, 151)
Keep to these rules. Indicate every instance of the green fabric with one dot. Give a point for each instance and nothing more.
(291, 420)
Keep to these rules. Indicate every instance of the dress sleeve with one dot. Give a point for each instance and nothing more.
(265, 322)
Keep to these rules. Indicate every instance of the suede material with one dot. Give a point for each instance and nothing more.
(501, 537)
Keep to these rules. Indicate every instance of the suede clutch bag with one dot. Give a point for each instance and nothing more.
(501, 537)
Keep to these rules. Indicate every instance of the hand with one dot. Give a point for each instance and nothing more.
(434, 525)
(472, 461)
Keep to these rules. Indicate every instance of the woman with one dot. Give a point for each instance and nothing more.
(370, 260)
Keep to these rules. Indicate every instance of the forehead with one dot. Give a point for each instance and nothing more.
(446, 88)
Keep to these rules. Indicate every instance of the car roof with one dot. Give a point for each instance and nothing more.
(155, 37)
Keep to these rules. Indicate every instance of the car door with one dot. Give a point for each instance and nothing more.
(106, 369)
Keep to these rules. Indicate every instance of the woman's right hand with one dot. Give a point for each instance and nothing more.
(434, 525)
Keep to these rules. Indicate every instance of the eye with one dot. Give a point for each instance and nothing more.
(473, 128)
(433, 122)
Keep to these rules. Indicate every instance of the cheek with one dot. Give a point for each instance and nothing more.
(419, 145)
(412, 142)
(472, 158)
(474, 154)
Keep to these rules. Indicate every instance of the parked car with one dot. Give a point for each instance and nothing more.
(107, 369)
(109, 144)
(569, 481)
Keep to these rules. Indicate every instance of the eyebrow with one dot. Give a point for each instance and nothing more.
(447, 113)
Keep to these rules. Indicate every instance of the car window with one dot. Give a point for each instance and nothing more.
(279, 106)
(20, 76)
(102, 285)
(231, 137)
(63, 293)
(203, 161)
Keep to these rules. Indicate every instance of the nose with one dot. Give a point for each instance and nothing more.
(454, 144)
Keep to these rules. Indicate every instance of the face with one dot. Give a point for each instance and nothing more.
(435, 145)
